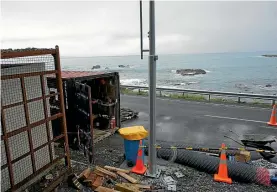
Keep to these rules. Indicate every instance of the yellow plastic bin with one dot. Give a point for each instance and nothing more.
(132, 136)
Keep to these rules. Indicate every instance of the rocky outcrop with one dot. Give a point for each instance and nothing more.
(186, 72)
(124, 66)
(269, 55)
(96, 67)
(268, 85)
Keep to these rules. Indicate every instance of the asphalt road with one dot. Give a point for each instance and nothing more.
(198, 123)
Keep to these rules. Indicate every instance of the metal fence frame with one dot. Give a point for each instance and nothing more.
(6, 135)
(273, 98)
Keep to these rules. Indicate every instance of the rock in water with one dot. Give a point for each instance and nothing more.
(269, 55)
(124, 66)
(96, 67)
(268, 85)
(185, 72)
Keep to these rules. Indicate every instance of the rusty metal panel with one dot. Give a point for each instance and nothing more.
(27, 140)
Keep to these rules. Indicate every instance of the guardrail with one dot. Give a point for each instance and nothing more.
(273, 98)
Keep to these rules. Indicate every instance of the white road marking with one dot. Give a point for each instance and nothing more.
(221, 117)
(248, 120)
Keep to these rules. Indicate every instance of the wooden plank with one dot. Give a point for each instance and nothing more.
(116, 169)
(106, 172)
(99, 135)
(98, 182)
(140, 186)
(129, 178)
(126, 187)
(99, 173)
(85, 173)
(105, 189)
(90, 180)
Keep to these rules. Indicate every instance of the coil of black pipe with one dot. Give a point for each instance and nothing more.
(238, 171)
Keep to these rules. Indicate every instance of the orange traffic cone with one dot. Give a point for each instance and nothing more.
(139, 168)
(222, 175)
(272, 120)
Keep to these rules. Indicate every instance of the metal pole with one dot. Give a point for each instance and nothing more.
(152, 89)
(141, 30)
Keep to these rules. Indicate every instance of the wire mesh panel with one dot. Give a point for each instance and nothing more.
(29, 109)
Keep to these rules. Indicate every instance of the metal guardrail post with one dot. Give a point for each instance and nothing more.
(209, 97)
(238, 99)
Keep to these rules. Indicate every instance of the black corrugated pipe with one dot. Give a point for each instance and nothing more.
(240, 172)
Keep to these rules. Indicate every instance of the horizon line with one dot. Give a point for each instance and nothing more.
(168, 54)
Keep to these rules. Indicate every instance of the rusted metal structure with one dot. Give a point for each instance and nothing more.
(92, 107)
(27, 140)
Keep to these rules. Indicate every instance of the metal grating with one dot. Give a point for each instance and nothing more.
(27, 114)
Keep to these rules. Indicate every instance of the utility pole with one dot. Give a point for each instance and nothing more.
(152, 89)
(152, 58)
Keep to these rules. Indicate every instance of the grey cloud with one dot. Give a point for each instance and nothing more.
(103, 28)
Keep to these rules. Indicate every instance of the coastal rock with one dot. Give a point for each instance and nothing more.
(268, 85)
(269, 55)
(124, 66)
(185, 72)
(96, 67)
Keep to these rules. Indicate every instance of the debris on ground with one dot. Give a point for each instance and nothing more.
(125, 187)
(109, 153)
(127, 177)
(127, 114)
(179, 174)
(116, 169)
(263, 163)
(48, 178)
(243, 156)
(114, 180)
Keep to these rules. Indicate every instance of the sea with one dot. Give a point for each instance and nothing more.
(229, 72)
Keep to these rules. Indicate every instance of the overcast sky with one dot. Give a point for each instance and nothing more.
(112, 28)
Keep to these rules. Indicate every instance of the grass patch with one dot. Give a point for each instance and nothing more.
(194, 97)
(222, 100)
(188, 97)
(128, 91)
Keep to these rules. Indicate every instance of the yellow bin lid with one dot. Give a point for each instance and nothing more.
(133, 133)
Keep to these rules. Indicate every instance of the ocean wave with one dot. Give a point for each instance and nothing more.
(174, 71)
(134, 82)
(185, 83)
(126, 67)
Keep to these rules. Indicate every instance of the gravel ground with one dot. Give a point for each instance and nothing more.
(110, 152)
